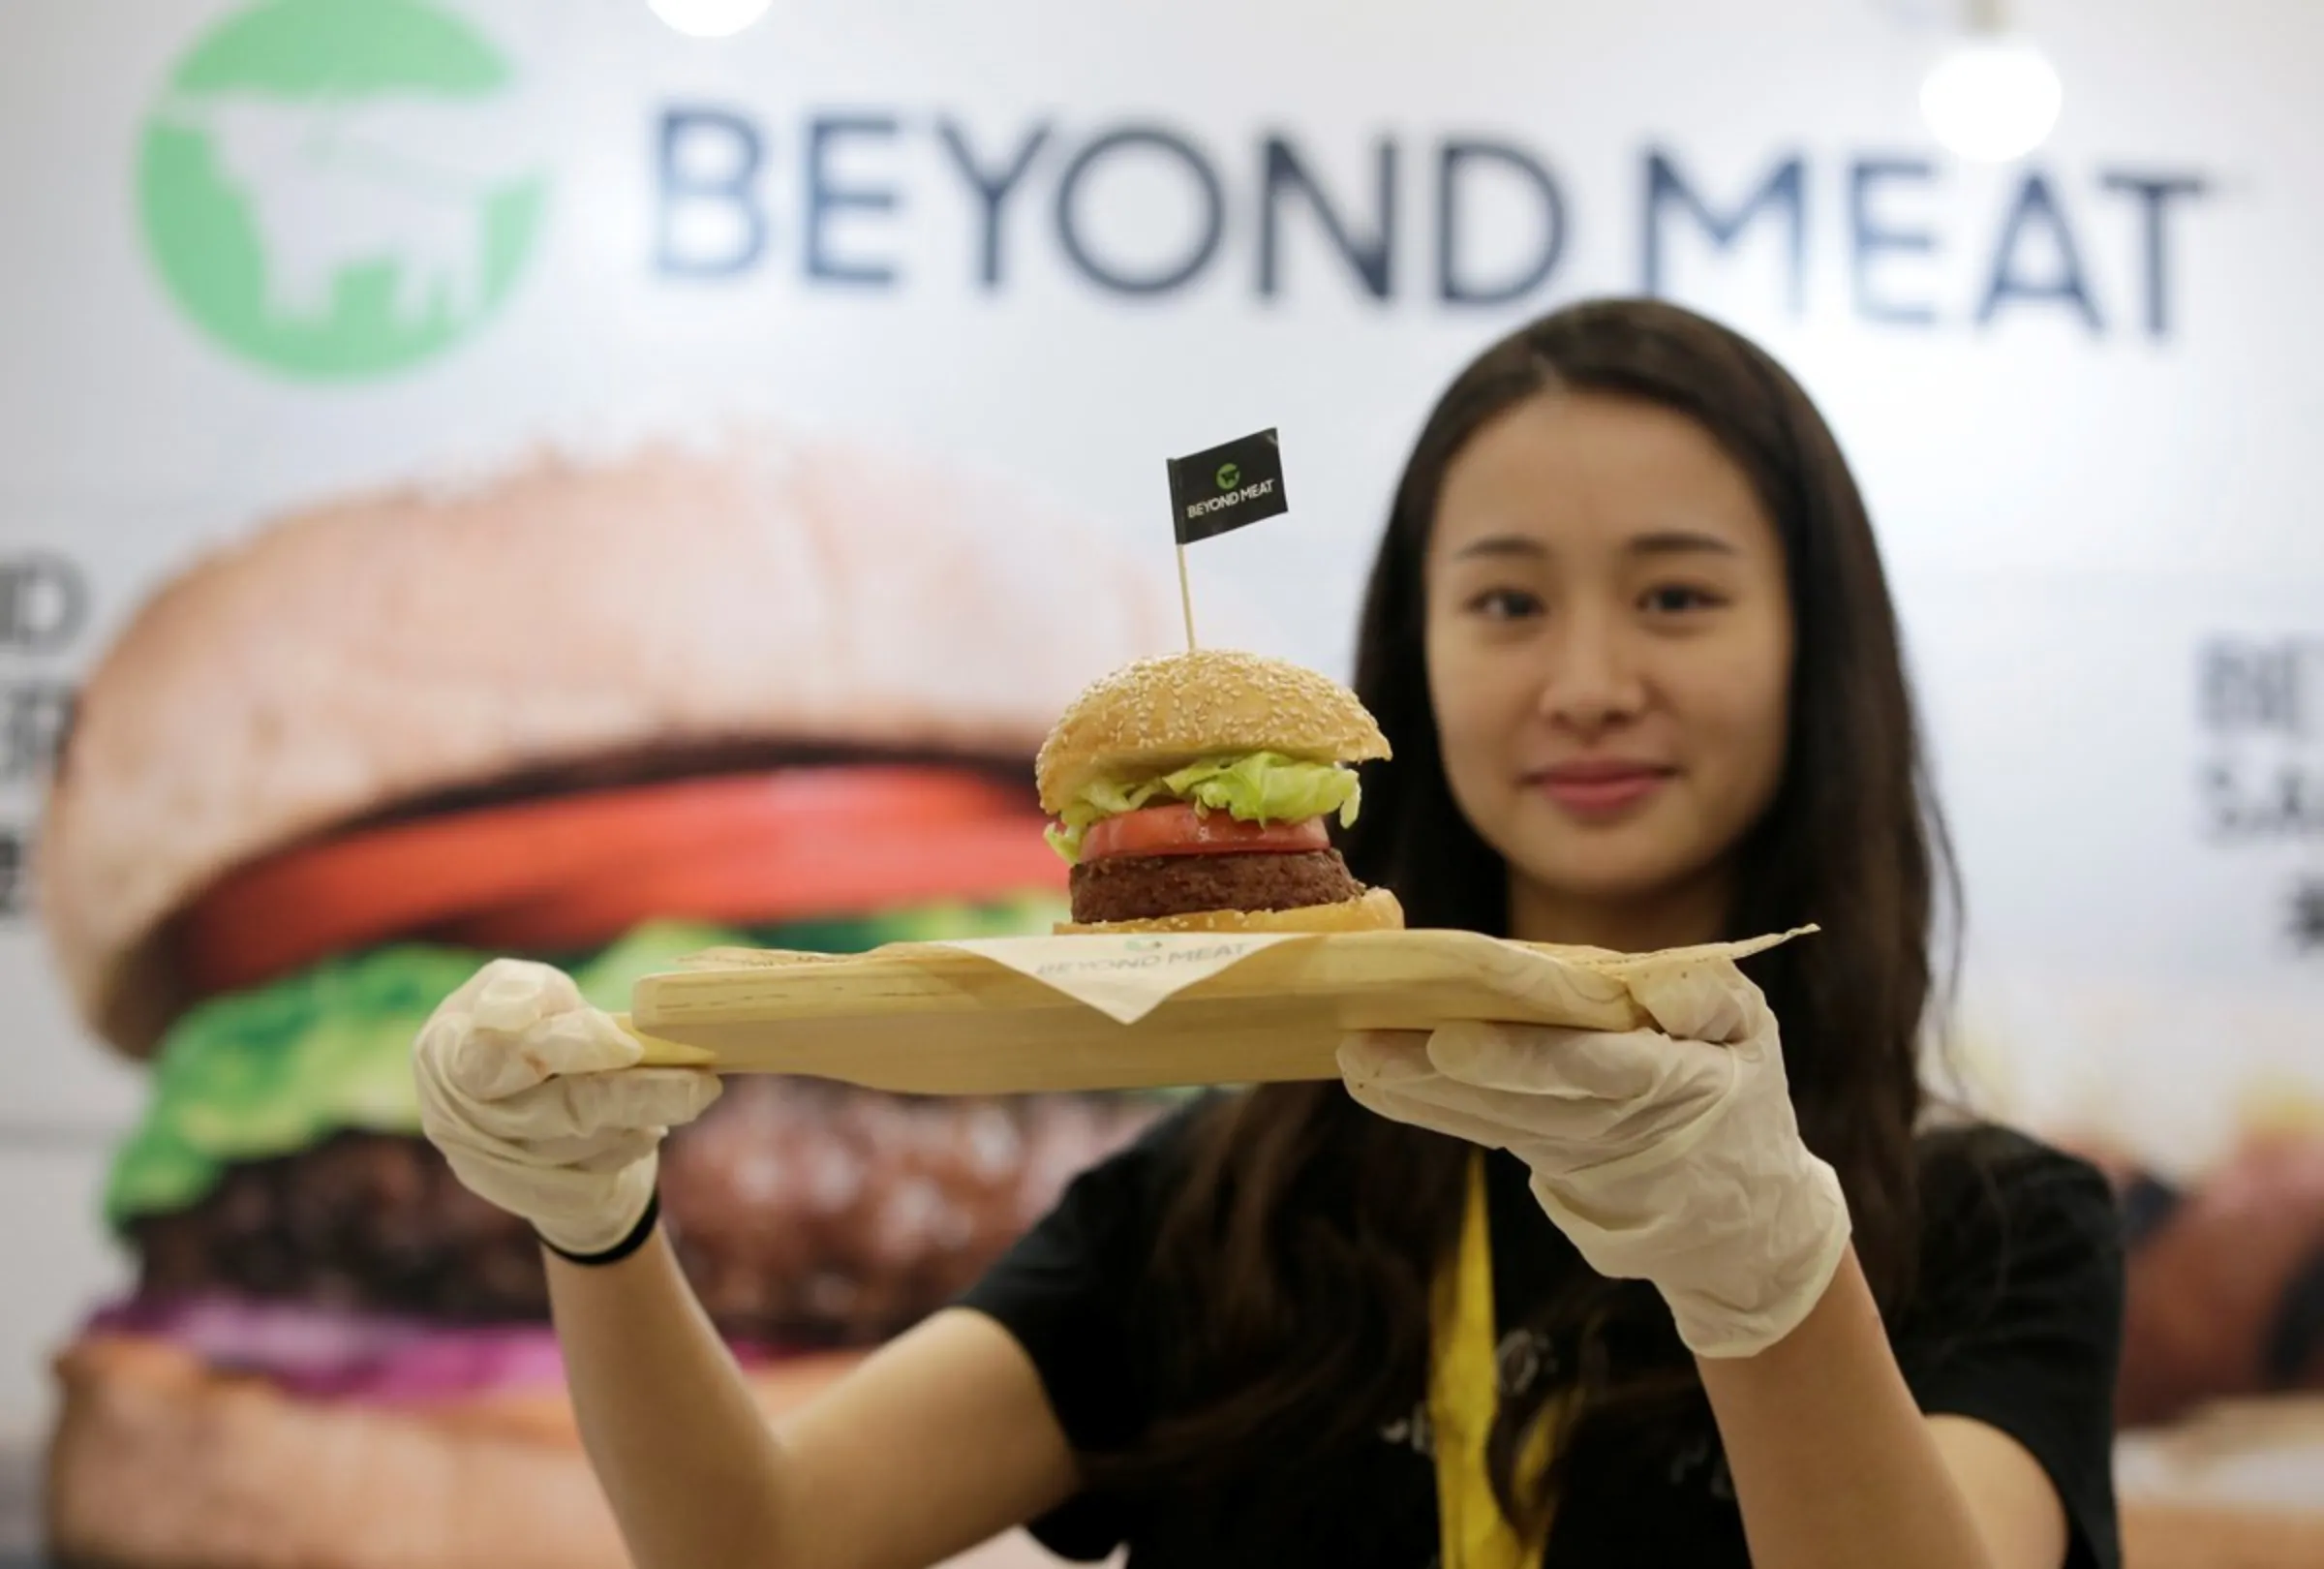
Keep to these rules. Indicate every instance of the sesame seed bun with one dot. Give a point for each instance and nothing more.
(1376, 911)
(1156, 714)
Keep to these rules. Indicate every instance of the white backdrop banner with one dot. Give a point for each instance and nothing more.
(261, 256)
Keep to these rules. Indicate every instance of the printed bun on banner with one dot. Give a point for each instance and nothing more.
(780, 693)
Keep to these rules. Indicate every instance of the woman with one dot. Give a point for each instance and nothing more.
(1629, 636)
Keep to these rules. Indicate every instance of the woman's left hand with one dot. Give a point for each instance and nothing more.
(1668, 1154)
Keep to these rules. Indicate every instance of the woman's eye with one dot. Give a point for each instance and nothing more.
(1505, 604)
(1678, 599)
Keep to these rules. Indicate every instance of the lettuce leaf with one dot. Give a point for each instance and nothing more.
(1257, 787)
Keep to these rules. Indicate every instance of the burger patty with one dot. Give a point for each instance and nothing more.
(805, 1214)
(1144, 887)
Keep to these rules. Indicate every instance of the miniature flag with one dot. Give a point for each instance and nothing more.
(1225, 487)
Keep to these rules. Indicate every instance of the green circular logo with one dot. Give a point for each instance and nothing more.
(1228, 474)
(340, 189)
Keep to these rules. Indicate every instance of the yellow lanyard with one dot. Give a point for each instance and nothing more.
(1463, 1395)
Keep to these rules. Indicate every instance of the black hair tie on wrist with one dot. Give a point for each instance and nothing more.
(626, 1247)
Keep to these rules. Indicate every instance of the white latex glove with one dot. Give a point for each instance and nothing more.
(517, 1088)
(1670, 1155)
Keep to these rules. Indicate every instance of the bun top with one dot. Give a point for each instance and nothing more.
(1161, 713)
(391, 647)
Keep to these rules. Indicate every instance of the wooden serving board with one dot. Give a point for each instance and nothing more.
(932, 1019)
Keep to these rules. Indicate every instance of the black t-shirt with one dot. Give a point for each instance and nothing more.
(2017, 1324)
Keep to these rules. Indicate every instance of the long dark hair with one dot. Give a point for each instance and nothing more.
(1295, 1263)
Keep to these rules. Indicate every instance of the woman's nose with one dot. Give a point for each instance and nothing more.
(1591, 682)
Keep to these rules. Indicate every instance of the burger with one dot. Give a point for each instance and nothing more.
(772, 694)
(1196, 792)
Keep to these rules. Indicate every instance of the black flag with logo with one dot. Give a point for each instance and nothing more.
(1225, 487)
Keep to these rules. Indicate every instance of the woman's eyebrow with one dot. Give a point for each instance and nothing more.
(1661, 542)
(1501, 544)
(1679, 542)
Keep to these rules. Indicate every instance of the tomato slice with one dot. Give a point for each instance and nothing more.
(767, 880)
(1176, 828)
(834, 840)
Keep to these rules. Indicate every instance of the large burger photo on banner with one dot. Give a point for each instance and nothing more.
(774, 692)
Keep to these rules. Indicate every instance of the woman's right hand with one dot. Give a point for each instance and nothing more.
(536, 1100)
(941, 1439)
(936, 1442)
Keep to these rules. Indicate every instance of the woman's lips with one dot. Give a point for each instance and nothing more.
(1600, 789)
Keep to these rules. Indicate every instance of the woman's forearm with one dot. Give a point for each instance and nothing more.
(1834, 1465)
(689, 1464)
